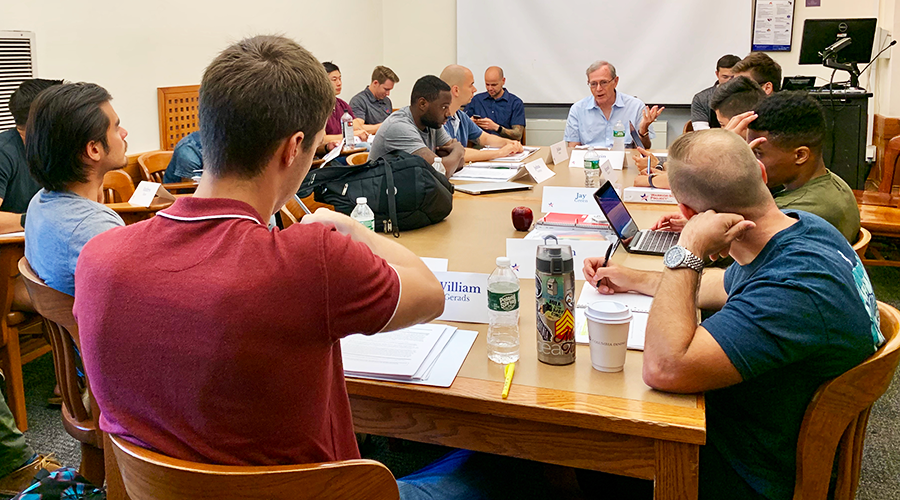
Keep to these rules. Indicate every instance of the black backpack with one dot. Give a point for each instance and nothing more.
(403, 190)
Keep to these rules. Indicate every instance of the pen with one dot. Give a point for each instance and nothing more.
(303, 206)
(508, 370)
(609, 251)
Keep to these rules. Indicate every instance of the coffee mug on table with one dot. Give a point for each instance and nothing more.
(608, 323)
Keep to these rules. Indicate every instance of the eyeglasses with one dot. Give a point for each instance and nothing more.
(602, 83)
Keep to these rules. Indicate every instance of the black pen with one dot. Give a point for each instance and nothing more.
(609, 252)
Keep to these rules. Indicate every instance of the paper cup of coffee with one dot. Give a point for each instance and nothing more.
(608, 324)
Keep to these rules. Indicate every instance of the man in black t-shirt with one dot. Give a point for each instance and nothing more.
(17, 187)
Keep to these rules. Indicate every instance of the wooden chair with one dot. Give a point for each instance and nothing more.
(118, 187)
(862, 243)
(148, 475)
(297, 213)
(153, 165)
(357, 158)
(688, 127)
(836, 419)
(287, 218)
(17, 347)
(178, 107)
(80, 418)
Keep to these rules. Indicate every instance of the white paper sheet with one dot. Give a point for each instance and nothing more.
(447, 364)
(640, 308)
(518, 157)
(488, 174)
(436, 265)
(396, 354)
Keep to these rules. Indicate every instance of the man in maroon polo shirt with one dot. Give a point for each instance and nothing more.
(210, 338)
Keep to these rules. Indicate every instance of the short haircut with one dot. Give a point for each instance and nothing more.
(382, 74)
(736, 96)
(63, 120)
(792, 119)
(762, 67)
(599, 64)
(727, 61)
(21, 99)
(716, 170)
(330, 67)
(255, 94)
(429, 87)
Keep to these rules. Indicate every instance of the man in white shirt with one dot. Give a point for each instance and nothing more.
(591, 120)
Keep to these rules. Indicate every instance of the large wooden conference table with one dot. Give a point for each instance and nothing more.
(566, 415)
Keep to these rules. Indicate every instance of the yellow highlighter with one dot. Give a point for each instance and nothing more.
(508, 370)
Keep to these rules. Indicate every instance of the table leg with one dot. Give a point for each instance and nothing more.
(677, 471)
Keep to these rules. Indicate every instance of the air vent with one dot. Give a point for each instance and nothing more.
(16, 66)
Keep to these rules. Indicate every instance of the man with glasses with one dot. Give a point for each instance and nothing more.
(591, 120)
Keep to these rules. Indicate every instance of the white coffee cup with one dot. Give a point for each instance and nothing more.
(608, 323)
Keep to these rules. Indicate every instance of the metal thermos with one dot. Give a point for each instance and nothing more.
(555, 288)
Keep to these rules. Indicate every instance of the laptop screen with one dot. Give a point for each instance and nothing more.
(614, 210)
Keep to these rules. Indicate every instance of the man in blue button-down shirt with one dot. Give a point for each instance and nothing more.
(591, 120)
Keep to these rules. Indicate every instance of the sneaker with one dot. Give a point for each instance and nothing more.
(19, 479)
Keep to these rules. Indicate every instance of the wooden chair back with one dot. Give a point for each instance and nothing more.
(178, 108)
(862, 244)
(836, 419)
(287, 218)
(153, 165)
(149, 475)
(688, 127)
(297, 213)
(79, 419)
(357, 158)
(118, 186)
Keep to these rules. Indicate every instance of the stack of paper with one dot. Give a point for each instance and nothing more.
(490, 172)
(423, 354)
(640, 309)
(518, 157)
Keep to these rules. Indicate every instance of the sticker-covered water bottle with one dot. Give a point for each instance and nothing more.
(555, 292)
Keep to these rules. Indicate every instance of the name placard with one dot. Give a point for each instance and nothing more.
(147, 192)
(569, 200)
(465, 297)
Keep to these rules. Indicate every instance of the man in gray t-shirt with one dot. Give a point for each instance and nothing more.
(418, 128)
(74, 138)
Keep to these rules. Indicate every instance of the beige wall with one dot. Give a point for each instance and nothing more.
(131, 48)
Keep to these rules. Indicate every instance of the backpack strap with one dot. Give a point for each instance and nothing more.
(392, 202)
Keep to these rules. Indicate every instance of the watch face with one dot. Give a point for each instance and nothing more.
(674, 256)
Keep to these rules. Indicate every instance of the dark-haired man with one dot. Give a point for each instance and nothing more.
(419, 128)
(793, 127)
(16, 184)
(73, 138)
(701, 112)
(256, 350)
(497, 110)
(187, 159)
(739, 95)
(796, 306)
(762, 69)
(373, 103)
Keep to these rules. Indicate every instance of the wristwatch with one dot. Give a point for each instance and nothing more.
(678, 257)
(499, 128)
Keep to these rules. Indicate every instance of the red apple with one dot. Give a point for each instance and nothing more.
(522, 217)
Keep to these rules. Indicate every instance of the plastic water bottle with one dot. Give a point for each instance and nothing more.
(439, 165)
(503, 310)
(591, 168)
(347, 127)
(619, 137)
(363, 214)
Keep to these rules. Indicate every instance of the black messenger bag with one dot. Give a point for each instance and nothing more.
(403, 190)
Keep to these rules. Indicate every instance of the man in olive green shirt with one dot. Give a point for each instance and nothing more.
(793, 127)
(788, 128)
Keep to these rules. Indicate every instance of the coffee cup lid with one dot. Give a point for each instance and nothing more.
(608, 311)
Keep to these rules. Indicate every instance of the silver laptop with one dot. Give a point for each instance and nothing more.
(633, 239)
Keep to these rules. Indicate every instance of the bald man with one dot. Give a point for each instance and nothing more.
(498, 111)
(462, 128)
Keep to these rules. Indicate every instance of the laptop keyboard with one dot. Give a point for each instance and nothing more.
(658, 241)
